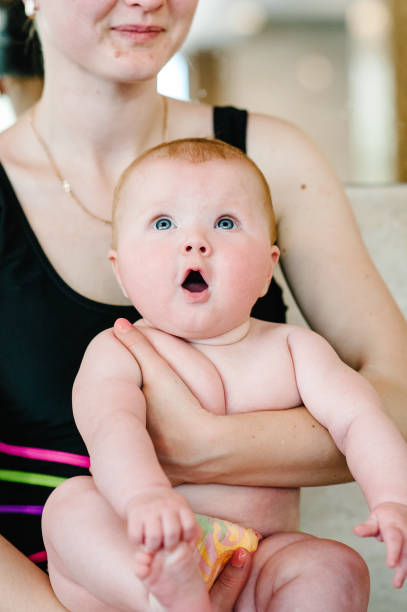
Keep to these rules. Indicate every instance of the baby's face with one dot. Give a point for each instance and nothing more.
(194, 250)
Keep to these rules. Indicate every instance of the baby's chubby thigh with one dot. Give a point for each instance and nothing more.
(90, 559)
(297, 571)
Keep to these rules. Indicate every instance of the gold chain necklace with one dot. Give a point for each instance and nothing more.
(65, 184)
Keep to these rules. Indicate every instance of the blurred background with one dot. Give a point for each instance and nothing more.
(338, 69)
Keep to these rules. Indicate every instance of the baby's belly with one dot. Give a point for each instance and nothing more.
(265, 509)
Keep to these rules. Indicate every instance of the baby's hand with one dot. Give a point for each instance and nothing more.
(158, 517)
(388, 523)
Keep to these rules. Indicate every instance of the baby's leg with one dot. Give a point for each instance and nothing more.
(295, 572)
(92, 563)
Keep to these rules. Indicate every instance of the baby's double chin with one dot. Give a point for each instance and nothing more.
(230, 336)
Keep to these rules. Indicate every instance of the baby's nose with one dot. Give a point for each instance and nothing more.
(197, 245)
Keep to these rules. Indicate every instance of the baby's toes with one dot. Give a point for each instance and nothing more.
(142, 564)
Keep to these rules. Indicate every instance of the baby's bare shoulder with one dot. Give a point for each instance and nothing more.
(272, 332)
(277, 332)
(106, 357)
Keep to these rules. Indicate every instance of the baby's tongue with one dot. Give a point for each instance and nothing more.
(194, 282)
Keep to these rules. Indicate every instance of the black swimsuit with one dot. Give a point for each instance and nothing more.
(45, 328)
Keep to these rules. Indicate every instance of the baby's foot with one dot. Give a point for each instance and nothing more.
(173, 578)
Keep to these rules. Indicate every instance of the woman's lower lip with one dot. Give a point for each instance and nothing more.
(143, 36)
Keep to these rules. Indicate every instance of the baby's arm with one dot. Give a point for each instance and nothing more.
(348, 406)
(110, 412)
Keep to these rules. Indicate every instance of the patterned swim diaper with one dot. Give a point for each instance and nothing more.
(218, 542)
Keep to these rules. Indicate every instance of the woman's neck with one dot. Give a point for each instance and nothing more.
(102, 120)
(94, 129)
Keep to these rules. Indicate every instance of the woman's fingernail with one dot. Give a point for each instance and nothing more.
(123, 325)
(239, 557)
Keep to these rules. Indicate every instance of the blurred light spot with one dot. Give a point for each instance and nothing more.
(247, 17)
(7, 114)
(315, 72)
(173, 78)
(368, 19)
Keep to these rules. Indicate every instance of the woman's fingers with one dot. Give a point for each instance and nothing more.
(159, 379)
(174, 415)
(231, 581)
(138, 345)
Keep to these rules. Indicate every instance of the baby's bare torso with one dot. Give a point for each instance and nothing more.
(253, 374)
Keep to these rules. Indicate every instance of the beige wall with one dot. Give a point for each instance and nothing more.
(381, 213)
(336, 86)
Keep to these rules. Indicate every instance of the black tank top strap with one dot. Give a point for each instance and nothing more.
(230, 125)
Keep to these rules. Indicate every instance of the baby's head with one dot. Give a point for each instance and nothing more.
(193, 237)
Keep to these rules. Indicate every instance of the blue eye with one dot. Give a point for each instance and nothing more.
(163, 223)
(225, 223)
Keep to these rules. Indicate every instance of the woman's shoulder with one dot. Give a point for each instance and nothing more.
(292, 164)
(21, 169)
(189, 119)
(276, 139)
(14, 147)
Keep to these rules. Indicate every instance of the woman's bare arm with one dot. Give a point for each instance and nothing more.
(279, 448)
(326, 264)
(24, 587)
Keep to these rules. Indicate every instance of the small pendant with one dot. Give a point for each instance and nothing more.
(66, 186)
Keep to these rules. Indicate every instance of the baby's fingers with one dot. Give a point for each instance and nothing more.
(136, 532)
(190, 527)
(171, 529)
(368, 529)
(393, 538)
(153, 534)
(400, 573)
(399, 577)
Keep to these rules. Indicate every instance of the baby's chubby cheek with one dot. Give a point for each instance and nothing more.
(149, 277)
(248, 271)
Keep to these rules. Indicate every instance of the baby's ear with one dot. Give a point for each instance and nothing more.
(115, 266)
(274, 257)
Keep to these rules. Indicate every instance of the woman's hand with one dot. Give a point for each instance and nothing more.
(283, 448)
(175, 419)
(231, 581)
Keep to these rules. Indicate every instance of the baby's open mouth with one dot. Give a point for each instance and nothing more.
(194, 282)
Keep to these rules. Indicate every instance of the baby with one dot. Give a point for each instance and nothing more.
(193, 248)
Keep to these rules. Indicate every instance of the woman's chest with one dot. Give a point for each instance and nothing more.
(62, 236)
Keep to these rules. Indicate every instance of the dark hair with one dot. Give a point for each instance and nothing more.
(20, 48)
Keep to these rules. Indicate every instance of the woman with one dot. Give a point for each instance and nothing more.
(100, 109)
